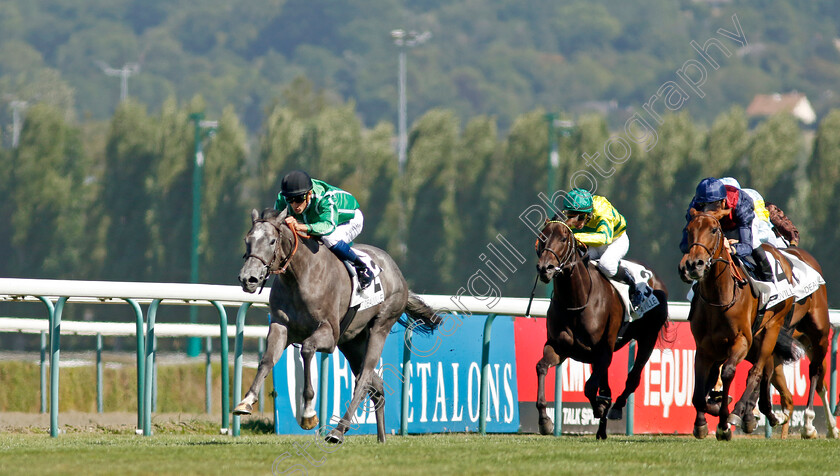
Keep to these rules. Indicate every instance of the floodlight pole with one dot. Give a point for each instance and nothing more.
(203, 130)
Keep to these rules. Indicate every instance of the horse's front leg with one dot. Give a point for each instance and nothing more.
(550, 359)
(275, 345)
(321, 340)
(738, 353)
(703, 369)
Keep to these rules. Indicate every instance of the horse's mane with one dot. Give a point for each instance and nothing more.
(271, 213)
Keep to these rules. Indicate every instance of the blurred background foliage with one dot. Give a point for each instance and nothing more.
(102, 189)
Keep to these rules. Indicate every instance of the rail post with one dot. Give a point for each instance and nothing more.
(558, 399)
(406, 382)
(55, 350)
(99, 372)
(44, 371)
(225, 369)
(237, 360)
(631, 400)
(150, 365)
(141, 373)
(323, 390)
(208, 374)
(485, 375)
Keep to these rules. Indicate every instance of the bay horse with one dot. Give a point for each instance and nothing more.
(308, 299)
(583, 322)
(728, 328)
(810, 326)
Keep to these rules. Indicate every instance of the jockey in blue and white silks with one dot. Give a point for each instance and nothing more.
(711, 195)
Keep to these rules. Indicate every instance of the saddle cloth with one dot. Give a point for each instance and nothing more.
(371, 295)
(640, 274)
(806, 280)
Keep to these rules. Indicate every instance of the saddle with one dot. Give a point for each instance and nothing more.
(805, 279)
(640, 275)
(361, 299)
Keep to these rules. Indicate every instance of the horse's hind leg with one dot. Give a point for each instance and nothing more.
(550, 359)
(275, 345)
(785, 398)
(354, 351)
(644, 347)
(365, 382)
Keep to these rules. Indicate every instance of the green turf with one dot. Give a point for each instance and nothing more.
(429, 454)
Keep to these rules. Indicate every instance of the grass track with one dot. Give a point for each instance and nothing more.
(427, 454)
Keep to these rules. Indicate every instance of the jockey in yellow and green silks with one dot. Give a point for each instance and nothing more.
(598, 225)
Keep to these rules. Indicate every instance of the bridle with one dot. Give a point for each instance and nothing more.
(712, 259)
(565, 262)
(284, 263)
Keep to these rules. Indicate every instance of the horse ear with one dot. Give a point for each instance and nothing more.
(255, 215)
(692, 212)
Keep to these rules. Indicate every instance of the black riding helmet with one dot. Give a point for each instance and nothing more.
(295, 184)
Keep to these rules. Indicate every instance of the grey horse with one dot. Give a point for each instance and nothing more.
(308, 299)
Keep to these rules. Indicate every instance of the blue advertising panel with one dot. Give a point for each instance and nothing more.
(444, 382)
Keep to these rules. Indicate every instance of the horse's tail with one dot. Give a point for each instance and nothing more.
(423, 318)
(787, 348)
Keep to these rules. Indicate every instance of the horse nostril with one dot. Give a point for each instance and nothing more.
(253, 279)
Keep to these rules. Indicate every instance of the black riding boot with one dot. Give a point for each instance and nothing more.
(623, 275)
(763, 270)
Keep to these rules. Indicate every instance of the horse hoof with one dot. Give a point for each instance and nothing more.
(335, 437)
(750, 425)
(782, 417)
(243, 409)
(615, 413)
(833, 434)
(602, 430)
(308, 423)
(546, 426)
(734, 420)
(809, 433)
(701, 432)
(723, 434)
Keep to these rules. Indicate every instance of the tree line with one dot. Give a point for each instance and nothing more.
(113, 200)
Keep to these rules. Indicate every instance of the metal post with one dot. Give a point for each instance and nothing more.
(99, 372)
(44, 371)
(261, 402)
(193, 343)
(323, 391)
(225, 368)
(833, 384)
(558, 399)
(631, 399)
(154, 375)
(141, 363)
(237, 360)
(55, 348)
(406, 382)
(208, 374)
(485, 376)
(150, 365)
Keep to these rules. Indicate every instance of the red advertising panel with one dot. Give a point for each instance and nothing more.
(663, 399)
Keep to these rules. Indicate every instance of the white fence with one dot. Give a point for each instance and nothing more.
(54, 294)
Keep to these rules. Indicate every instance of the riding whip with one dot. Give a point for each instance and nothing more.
(533, 291)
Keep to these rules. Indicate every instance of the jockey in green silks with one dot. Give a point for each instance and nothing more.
(327, 213)
(599, 226)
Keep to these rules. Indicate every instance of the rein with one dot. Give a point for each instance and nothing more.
(736, 275)
(566, 260)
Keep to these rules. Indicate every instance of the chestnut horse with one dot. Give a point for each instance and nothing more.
(728, 328)
(811, 326)
(583, 322)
